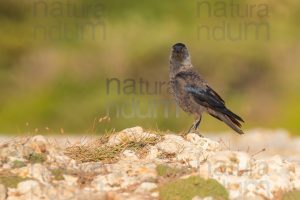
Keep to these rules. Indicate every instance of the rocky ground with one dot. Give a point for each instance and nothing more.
(138, 164)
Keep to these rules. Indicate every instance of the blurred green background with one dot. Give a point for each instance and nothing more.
(57, 55)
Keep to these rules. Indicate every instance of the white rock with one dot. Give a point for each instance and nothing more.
(196, 198)
(38, 143)
(230, 162)
(208, 198)
(62, 191)
(133, 131)
(146, 187)
(99, 182)
(252, 196)
(205, 143)
(29, 186)
(155, 195)
(114, 179)
(129, 134)
(235, 194)
(263, 187)
(297, 170)
(250, 187)
(278, 174)
(205, 170)
(58, 159)
(172, 144)
(39, 139)
(24, 197)
(2, 192)
(125, 173)
(92, 167)
(169, 147)
(192, 151)
(109, 182)
(193, 138)
(153, 153)
(204, 198)
(129, 154)
(297, 184)
(40, 173)
(6, 166)
(191, 156)
(189, 152)
(244, 176)
(70, 180)
(194, 163)
(276, 159)
(128, 181)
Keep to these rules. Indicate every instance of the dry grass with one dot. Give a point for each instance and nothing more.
(164, 155)
(100, 151)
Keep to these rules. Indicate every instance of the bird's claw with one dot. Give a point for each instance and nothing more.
(196, 132)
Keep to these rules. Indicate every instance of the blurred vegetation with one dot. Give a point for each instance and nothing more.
(50, 82)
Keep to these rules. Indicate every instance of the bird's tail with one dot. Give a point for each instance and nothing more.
(231, 119)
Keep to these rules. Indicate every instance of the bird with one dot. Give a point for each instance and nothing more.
(193, 94)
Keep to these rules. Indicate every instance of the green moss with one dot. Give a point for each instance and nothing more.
(11, 181)
(186, 189)
(36, 158)
(58, 174)
(292, 195)
(18, 164)
(166, 171)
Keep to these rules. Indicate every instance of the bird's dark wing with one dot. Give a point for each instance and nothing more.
(215, 94)
(208, 98)
(190, 82)
(205, 95)
(196, 86)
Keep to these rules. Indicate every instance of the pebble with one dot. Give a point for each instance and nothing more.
(146, 187)
(28, 186)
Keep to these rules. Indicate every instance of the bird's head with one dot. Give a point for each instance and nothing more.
(180, 54)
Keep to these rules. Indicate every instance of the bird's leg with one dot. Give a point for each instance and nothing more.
(192, 127)
(198, 122)
(195, 124)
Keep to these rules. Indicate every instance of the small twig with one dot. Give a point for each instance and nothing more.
(226, 146)
(260, 151)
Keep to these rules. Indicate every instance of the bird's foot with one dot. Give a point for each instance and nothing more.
(196, 132)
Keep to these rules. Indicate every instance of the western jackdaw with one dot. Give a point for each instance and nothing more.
(193, 94)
